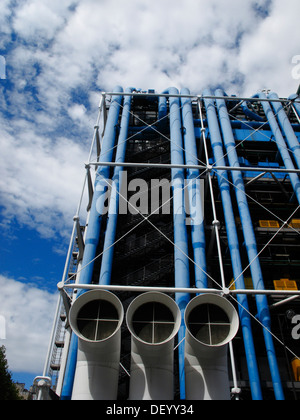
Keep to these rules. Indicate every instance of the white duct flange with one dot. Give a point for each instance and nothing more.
(96, 318)
(211, 324)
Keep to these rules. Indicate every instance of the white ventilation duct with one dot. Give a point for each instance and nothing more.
(153, 320)
(96, 318)
(211, 323)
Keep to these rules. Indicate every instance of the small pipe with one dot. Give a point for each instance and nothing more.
(195, 97)
(141, 289)
(203, 167)
(252, 115)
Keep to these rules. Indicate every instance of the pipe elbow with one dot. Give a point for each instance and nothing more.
(211, 323)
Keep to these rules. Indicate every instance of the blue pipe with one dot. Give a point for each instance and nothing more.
(110, 234)
(233, 242)
(181, 251)
(250, 242)
(297, 107)
(281, 144)
(296, 102)
(287, 128)
(252, 115)
(101, 186)
(193, 178)
(94, 227)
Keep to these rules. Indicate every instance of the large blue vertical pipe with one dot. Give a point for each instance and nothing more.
(181, 251)
(288, 163)
(94, 227)
(110, 234)
(100, 193)
(250, 241)
(195, 197)
(287, 129)
(233, 242)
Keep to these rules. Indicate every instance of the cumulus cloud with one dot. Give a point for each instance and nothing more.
(66, 51)
(28, 313)
(40, 180)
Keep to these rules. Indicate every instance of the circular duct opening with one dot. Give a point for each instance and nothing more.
(97, 320)
(209, 324)
(153, 323)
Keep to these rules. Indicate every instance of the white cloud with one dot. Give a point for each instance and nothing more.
(66, 51)
(77, 112)
(40, 18)
(41, 180)
(28, 314)
(266, 54)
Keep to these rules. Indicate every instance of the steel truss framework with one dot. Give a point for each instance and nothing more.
(71, 281)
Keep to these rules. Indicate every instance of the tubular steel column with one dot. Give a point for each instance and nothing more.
(251, 246)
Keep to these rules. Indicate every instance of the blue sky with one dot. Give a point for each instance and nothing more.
(59, 56)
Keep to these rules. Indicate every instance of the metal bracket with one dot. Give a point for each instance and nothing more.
(90, 187)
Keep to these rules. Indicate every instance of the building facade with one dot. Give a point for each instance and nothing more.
(190, 247)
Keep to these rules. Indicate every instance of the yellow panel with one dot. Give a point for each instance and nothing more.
(296, 369)
(296, 223)
(285, 284)
(269, 224)
(274, 224)
(291, 285)
(249, 283)
(279, 284)
(232, 285)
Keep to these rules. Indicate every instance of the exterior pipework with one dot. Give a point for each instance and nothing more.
(296, 102)
(211, 324)
(250, 113)
(250, 241)
(181, 251)
(94, 227)
(101, 186)
(110, 234)
(288, 163)
(194, 185)
(287, 128)
(233, 243)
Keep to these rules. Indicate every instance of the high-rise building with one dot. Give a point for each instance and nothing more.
(182, 279)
